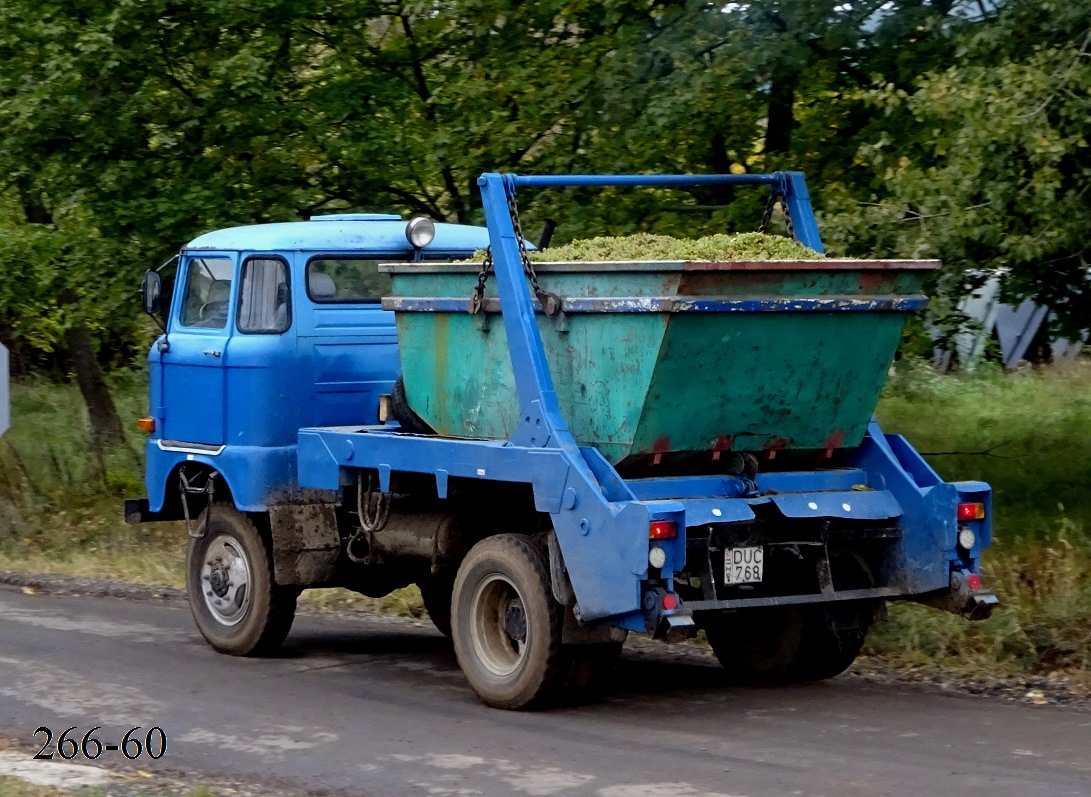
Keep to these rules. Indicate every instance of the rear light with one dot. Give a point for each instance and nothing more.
(670, 602)
(971, 511)
(146, 425)
(974, 582)
(657, 557)
(662, 530)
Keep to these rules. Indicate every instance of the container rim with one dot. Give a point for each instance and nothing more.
(824, 264)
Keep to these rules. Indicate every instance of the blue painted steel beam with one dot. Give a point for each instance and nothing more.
(543, 423)
(793, 185)
(688, 487)
(604, 180)
(800, 481)
(804, 224)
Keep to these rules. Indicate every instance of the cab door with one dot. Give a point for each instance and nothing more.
(193, 373)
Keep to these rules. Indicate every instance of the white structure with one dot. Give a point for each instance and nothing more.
(1020, 331)
(5, 397)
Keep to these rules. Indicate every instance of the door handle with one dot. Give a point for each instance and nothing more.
(211, 352)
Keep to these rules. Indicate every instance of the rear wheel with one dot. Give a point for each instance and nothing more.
(797, 643)
(834, 633)
(238, 608)
(506, 623)
(832, 640)
(757, 644)
(589, 668)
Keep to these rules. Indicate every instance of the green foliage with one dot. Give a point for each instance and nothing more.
(1041, 625)
(1024, 433)
(986, 163)
(60, 498)
(925, 128)
(646, 246)
(50, 277)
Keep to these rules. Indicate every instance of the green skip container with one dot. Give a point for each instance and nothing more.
(662, 358)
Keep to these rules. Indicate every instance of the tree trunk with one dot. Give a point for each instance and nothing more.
(720, 163)
(781, 118)
(34, 207)
(106, 428)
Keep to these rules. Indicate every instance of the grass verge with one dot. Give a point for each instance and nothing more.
(1027, 434)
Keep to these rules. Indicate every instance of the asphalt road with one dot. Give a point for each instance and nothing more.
(376, 706)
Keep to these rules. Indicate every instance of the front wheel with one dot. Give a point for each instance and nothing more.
(238, 608)
(506, 625)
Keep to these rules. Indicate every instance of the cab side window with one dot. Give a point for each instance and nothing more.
(348, 280)
(207, 293)
(265, 301)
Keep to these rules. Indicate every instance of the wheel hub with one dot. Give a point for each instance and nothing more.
(218, 580)
(499, 630)
(226, 578)
(515, 623)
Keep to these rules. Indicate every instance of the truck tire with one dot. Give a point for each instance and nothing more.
(506, 624)
(403, 413)
(833, 634)
(757, 645)
(832, 639)
(238, 607)
(797, 643)
(589, 669)
(435, 592)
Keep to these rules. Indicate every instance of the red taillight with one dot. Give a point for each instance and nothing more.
(974, 582)
(670, 602)
(971, 511)
(662, 530)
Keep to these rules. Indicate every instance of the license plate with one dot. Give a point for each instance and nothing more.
(744, 565)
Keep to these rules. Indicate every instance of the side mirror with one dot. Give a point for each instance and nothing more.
(151, 292)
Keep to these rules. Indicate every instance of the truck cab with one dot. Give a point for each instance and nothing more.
(271, 328)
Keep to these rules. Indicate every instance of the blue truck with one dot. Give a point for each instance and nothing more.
(558, 454)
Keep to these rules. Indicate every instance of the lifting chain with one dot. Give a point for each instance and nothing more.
(373, 512)
(477, 301)
(775, 198)
(372, 507)
(552, 304)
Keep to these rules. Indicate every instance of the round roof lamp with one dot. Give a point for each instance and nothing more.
(420, 232)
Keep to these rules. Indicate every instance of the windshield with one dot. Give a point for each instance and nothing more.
(207, 293)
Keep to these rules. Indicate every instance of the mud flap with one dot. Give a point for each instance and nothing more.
(306, 544)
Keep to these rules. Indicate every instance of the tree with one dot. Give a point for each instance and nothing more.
(991, 169)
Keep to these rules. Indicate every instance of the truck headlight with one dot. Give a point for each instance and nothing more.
(966, 538)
